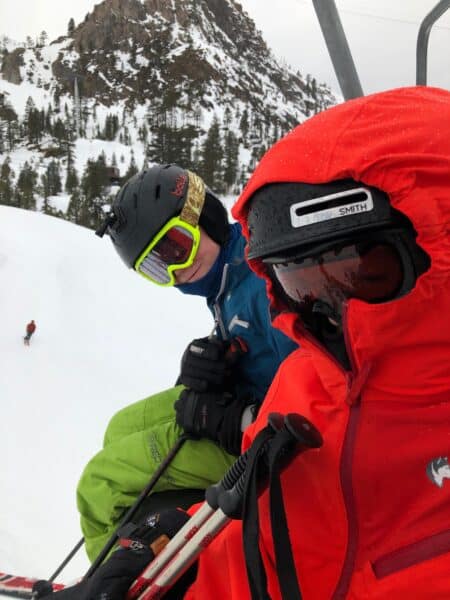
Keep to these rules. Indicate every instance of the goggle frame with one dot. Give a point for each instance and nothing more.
(194, 231)
(188, 219)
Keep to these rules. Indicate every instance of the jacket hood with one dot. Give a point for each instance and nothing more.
(397, 141)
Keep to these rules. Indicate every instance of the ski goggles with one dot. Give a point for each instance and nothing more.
(369, 271)
(175, 246)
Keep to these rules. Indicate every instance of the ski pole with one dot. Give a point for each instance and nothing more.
(236, 349)
(229, 508)
(137, 504)
(211, 504)
(128, 516)
(66, 560)
(303, 437)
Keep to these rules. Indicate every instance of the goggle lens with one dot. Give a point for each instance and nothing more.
(176, 247)
(371, 274)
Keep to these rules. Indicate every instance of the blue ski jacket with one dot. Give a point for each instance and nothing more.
(238, 301)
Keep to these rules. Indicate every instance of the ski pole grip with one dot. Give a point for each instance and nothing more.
(233, 475)
(299, 435)
(227, 482)
(303, 432)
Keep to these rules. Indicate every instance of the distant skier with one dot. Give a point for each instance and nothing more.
(30, 329)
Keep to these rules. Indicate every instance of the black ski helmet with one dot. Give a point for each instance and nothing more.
(294, 220)
(147, 201)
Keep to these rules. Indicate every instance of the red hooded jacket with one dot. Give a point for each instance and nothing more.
(31, 327)
(369, 512)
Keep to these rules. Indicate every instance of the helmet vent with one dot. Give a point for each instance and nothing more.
(158, 192)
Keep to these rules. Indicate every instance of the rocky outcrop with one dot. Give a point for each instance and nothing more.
(111, 25)
(12, 61)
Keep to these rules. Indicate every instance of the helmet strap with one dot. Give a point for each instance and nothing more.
(109, 221)
(325, 309)
(326, 326)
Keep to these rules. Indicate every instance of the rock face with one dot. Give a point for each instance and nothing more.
(191, 81)
(207, 50)
(11, 66)
(111, 23)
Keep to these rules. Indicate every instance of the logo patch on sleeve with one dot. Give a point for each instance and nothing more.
(438, 470)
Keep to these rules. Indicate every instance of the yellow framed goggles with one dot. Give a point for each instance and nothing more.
(175, 246)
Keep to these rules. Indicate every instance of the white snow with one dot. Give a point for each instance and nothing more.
(17, 95)
(60, 202)
(105, 338)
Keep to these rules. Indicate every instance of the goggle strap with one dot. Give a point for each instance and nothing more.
(195, 199)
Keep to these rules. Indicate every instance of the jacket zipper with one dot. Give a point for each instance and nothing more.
(346, 473)
(411, 555)
(218, 321)
(349, 501)
(354, 385)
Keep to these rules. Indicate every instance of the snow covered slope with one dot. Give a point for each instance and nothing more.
(105, 338)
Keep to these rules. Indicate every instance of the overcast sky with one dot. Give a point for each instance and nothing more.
(382, 35)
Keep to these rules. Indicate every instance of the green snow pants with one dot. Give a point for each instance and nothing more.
(137, 439)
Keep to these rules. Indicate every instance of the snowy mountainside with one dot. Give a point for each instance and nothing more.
(188, 81)
(105, 338)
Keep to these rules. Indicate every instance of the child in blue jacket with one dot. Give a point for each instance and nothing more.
(172, 230)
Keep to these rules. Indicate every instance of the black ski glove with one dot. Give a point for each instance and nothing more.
(212, 415)
(204, 364)
(142, 543)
